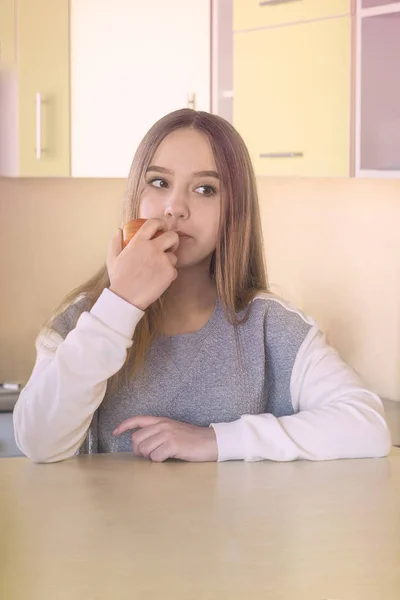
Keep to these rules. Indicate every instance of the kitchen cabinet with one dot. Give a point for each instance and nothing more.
(250, 14)
(378, 89)
(131, 63)
(35, 136)
(7, 33)
(43, 80)
(292, 90)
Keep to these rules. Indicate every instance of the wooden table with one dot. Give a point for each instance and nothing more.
(111, 527)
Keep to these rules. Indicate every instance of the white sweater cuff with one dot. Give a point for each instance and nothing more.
(230, 440)
(116, 313)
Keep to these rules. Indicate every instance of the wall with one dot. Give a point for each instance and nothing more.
(53, 235)
(332, 246)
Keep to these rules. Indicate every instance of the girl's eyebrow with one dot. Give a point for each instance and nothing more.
(196, 174)
(206, 174)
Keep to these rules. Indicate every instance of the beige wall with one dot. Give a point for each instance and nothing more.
(332, 246)
(53, 235)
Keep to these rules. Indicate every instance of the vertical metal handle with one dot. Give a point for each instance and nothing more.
(38, 126)
(192, 101)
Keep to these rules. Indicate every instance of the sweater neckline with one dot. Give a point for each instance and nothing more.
(200, 333)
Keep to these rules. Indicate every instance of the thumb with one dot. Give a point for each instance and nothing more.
(114, 247)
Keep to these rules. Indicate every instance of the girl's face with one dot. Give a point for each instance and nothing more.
(183, 188)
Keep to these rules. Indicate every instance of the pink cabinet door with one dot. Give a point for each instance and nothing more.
(379, 94)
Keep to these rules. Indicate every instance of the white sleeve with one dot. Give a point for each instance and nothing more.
(335, 417)
(69, 380)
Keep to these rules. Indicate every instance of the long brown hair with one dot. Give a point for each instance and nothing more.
(237, 264)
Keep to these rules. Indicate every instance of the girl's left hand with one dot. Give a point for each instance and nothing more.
(161, 438)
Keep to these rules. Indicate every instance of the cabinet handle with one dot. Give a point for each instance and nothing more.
(38, 126)
(272, 2)
(192, 101)
(282, 155)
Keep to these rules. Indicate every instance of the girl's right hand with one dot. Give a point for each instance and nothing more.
(141, 272)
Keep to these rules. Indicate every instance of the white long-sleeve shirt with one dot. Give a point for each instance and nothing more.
(275, 391)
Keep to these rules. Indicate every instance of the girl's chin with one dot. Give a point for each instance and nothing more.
(185, 260)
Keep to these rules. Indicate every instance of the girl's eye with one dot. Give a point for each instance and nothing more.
(158, 182)
(206, 190)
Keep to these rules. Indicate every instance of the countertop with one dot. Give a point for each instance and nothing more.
(111, 526)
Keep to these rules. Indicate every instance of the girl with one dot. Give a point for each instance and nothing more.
(175, 349)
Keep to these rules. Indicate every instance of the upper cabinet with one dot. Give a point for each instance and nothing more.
(7, 34)
(316, 89)
(251, 14)
(43, 88)
(131, 63)
(378, 90)
(34, 93)
(292, 95)
(294, 119)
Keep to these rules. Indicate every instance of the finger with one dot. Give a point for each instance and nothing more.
(147, 447)
(162, 453)
(114, 247)
(169, 240)
(173, 259)
(150, 228)
(174, 273)
(137, 422)
(140, 435)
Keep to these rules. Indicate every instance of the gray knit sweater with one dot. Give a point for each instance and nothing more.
(209, 376)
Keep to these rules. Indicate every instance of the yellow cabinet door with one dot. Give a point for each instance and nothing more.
(292, 97)
(249, 14)
(7, 37)
(43, 80)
